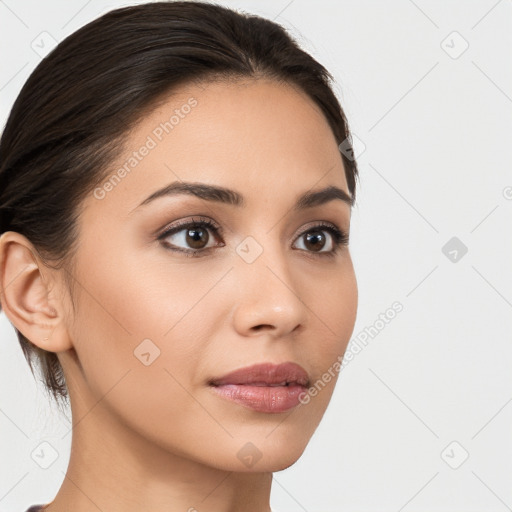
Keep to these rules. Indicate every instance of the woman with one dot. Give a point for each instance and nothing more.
(175, 214)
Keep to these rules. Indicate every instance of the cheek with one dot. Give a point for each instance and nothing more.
(333, 303)
(139, 341)
(335, 310)
(345, 308)
(134, 309)
(129, 317)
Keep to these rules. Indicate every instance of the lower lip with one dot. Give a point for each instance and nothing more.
(269, 399)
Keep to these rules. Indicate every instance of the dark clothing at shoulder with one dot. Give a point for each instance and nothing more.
(35, 508)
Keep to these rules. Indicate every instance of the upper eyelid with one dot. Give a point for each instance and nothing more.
(182, 224)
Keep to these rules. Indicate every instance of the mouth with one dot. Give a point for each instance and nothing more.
(266, 387)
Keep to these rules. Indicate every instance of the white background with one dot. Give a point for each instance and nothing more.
(435, 127)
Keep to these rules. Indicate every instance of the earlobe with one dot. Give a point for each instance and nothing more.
(27, 294)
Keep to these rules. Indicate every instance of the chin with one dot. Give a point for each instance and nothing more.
(275, 454)
(285, 463)
(287, 456)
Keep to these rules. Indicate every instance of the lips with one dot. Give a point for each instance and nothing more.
(266, 374)
(264, 387)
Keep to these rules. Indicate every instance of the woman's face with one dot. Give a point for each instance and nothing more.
(157, 326)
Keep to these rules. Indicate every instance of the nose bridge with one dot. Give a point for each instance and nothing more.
(267, 294)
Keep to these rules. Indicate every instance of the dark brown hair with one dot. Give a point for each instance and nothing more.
(67, 124)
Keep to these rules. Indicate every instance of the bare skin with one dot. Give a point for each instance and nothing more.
(156, 437)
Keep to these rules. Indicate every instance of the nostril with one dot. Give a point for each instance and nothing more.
(261, 326)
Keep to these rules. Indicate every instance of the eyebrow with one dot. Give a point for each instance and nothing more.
(224, 195)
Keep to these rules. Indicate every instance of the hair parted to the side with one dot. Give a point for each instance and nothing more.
(68, 122)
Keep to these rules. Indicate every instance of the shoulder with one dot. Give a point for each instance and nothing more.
(35, 508)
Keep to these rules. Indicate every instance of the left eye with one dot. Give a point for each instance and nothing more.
(315, 240)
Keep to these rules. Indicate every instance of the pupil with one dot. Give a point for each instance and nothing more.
(194, 237)
(313, 240)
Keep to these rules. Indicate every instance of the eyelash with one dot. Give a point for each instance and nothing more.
(340, 238)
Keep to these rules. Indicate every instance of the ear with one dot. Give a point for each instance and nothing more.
(28, 294)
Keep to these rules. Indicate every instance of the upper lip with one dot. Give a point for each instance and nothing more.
(266, 374)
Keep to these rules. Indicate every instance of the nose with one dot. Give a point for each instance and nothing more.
(268, 298)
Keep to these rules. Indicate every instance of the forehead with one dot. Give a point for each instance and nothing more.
(264, 138)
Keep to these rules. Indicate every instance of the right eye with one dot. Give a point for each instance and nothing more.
(193, 235)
